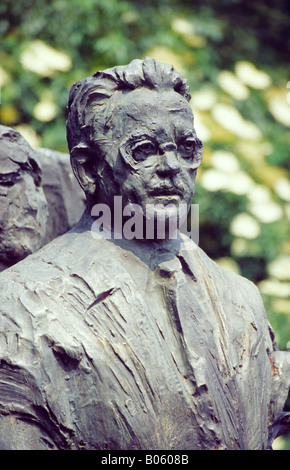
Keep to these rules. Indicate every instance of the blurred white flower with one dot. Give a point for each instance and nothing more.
(229, 118)
(29, 134)
(280, 110)
(213, 180)
(239, 247)
(280, 268)
(237, 183)
(279, 443)
(266, 212)
(232, 85)
(45, 110)
(201, 129)
(281, 305)
(167, 56)
(224, 161)
(44, 60)
(274, 288)
(260, 194)
(262, 206)
(4, 77)
(282, 188)
(182, 26)
(254, 151)
(248, 74)
(203, 99)
(244, 225)
(229, 264)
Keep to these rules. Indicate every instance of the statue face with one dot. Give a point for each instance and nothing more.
(22, 219)
(155, 152)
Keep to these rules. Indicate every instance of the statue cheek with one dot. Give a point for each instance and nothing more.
(134, 189)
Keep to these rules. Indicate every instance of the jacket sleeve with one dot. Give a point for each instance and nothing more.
(24, 423)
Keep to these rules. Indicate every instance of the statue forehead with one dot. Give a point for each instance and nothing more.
(142, 100)
(150, 108)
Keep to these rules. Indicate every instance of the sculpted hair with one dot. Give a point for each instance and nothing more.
(16, 157)
(88, 98)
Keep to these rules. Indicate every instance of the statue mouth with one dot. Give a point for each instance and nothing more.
(166, 198)
(165, 191)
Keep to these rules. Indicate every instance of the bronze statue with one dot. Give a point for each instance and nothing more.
(121, 342)
(23, 214)
(40, 198)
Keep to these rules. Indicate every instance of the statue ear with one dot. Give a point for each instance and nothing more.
(84, 167)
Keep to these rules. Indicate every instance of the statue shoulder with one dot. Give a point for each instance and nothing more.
(237, 294)
(41, 296)
(224, 279)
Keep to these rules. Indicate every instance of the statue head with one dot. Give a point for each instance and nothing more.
(23, 206)
(130, 133)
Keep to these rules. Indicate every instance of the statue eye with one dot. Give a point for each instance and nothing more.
(190, 144)
(187, 147)
(143, 149)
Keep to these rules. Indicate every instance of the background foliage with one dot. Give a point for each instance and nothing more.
(235, 56)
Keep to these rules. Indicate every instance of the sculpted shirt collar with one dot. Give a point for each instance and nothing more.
(180, 248)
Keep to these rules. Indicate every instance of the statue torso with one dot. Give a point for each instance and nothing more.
(121, 352)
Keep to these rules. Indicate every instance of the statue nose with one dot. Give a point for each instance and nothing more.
(168, 161)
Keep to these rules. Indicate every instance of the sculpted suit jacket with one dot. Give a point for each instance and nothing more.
(107, 347)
